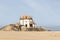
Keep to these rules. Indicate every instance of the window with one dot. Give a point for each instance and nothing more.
(26, 21)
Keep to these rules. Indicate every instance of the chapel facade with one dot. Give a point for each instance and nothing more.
(27, 21)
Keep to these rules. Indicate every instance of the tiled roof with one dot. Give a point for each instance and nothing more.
(25, 17)
(32, 22)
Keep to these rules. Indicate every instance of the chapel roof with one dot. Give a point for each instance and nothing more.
(32, 22)
(25, 17)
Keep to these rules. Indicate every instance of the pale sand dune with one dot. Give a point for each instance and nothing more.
(12, 35)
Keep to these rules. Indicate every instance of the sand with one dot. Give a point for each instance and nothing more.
(14, 35)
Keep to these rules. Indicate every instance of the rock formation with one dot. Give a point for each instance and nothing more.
(15, 27)
(10, 27)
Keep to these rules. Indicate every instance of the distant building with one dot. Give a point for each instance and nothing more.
(27, 21)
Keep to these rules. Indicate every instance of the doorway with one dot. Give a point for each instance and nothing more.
(26, 25)
(31, 25)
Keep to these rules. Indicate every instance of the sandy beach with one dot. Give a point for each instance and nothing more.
(21, 35)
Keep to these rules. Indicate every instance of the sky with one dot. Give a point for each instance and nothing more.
(44, 12)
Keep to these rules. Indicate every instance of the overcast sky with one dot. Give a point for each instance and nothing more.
(44, 12)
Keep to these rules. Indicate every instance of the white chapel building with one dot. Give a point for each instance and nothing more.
(27, 21)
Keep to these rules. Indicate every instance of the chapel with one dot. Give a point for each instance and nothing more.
(27, 21)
